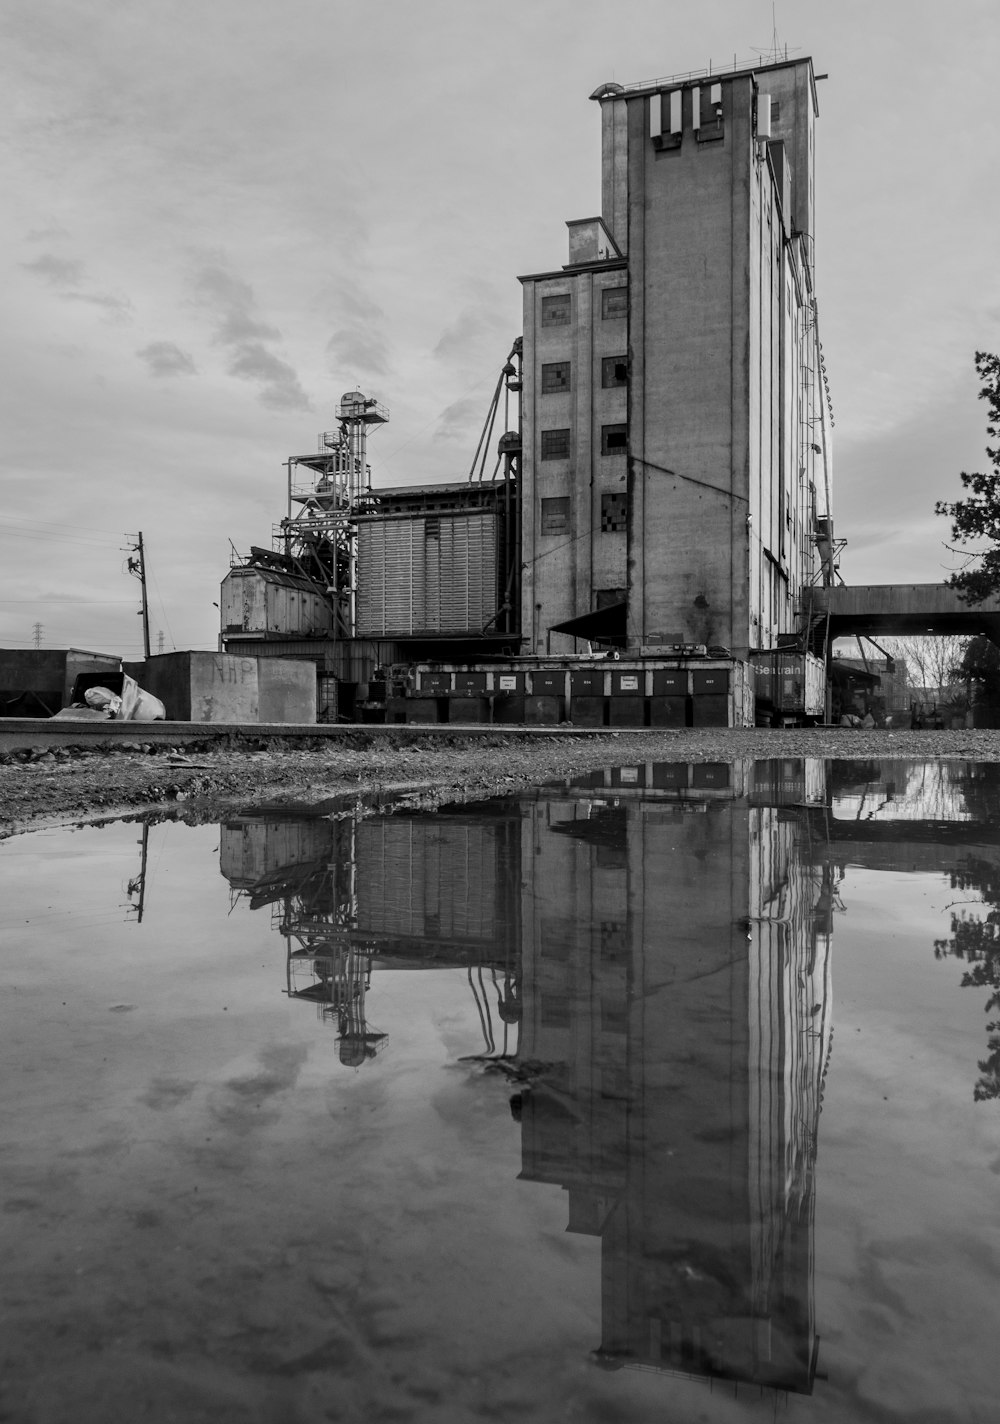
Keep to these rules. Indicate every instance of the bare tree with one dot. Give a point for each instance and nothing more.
(933, 663)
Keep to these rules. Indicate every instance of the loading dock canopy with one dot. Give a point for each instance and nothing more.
(604, 625)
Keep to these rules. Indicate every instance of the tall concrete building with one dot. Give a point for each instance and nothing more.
(676, 441)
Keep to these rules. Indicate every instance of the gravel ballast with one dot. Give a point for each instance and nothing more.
(65, 785)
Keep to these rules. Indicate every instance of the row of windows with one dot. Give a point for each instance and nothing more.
(614, 513)
(556, 374)
(555, 443)
(558, 310)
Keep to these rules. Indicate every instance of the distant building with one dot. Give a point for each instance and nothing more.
(675, 465)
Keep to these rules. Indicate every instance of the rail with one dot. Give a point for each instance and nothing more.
(712, 72)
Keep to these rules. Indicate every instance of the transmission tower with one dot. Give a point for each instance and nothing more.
(36, 634)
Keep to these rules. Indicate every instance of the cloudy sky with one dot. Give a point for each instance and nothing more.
(220, 216)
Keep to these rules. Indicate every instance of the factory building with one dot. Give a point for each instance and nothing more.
(661, 490)
(675, 469)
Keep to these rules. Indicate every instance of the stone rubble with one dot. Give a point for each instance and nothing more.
(65, 785)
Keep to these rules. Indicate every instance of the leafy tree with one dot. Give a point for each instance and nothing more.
(976, 940)
(976, 517)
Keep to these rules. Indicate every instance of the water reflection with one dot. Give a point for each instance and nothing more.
(649, 955)
(639, 965)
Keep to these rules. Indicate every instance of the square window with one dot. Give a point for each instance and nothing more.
(614, 512)
(614, 302)
(555, 515)
(556, 310)
(614, 371)
(555, 377)
(555, 444)
(614, 439)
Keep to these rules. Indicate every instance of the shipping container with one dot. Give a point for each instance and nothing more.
(788, 686)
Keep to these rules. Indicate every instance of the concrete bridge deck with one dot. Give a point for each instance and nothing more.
(905, 610)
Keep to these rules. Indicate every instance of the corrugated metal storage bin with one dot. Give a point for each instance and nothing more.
(256, 600)
(432, 573)
(587, 682)
(670, 682)
(468, 709)
(470, 682)
(413, 709)
(710, 681)
(543, 711)
(670, 776)
(433, 682)
(669, 712)
(627, 776)
(710, 775)
(508, 708)
(630, 683)
(710, 710)
(509, 682)
(627, 711)
(549, 683)
(587, 711)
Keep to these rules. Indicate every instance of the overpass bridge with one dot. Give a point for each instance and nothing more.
(901, 610)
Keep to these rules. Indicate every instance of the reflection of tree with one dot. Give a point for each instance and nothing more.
(976, 940)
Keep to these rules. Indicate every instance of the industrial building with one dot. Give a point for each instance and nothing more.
(675, 426)
(661, 492)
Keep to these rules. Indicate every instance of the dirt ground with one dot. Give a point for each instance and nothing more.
(62, 786)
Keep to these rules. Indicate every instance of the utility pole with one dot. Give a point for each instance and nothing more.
(36, 633)
(137, 566)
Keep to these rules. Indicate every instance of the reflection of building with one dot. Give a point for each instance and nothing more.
(403, 891)
(675, 968)
(659, 935)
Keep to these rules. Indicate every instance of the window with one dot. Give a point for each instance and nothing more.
(555, 444)
(614, 439)
(608, 597)
(614, 511)
(556, 310)
(555, 515)
(555, 377)
(614, 302)
(614, 371)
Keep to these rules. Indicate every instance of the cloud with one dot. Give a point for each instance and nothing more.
(117, 308)
(458, 421)
(59, 272)
(475, 331)
(280, 388)
(358, 346)
(232, 303)
(163, 358)
(66, 276)
(355, 351)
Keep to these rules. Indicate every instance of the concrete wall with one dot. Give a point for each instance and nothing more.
(224, 687)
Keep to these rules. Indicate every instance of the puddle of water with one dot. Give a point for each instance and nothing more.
(668, 1094)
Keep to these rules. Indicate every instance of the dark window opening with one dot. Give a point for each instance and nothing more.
(614, 302)
(555, 515)
(556, 310)
(614, 371)
(614, 512)
(555, 444)
(614, 439)
(555, 377)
